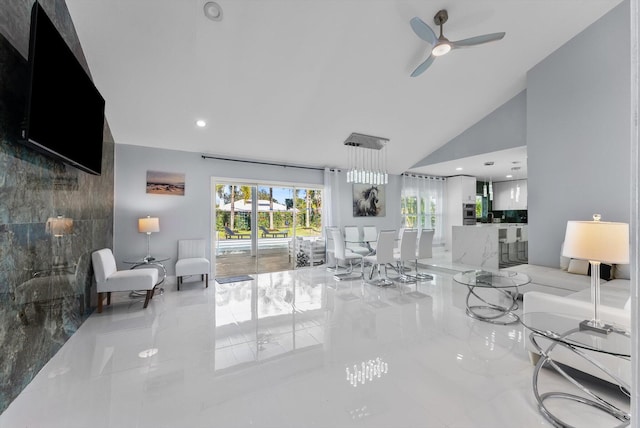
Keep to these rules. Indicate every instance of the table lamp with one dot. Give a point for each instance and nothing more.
(598, 242)
(148, 225)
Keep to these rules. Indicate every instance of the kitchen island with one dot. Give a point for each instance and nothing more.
(479, 245)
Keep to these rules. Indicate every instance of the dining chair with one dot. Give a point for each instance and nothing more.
(353, 241)
(382, 257)
(346, 255)
(370, 236)
(424, 251)
(406, 252)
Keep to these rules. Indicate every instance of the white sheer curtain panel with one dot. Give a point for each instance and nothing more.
(423, 203)
(331, 201)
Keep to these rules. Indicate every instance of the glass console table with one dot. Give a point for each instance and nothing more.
(504, 283)
(563, 331)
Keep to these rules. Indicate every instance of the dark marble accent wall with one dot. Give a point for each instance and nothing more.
(45, 280)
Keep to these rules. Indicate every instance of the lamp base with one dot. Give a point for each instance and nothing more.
(597, 327)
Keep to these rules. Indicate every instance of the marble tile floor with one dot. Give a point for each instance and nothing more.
(292, 349)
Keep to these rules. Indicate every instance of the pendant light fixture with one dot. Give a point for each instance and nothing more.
(367, 157)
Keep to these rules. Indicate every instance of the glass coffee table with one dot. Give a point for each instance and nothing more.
(559, 331)
(502, 284)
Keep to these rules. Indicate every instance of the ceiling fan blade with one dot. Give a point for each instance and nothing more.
(422, 67)
(478, 40)
(423, 31)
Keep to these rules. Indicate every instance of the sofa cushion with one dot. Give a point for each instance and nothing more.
(552, 277)
(622, 271)
(613, 297)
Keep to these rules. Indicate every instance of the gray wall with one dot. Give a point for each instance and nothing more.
(39, 313)
(189, 216)
(504, 128)
(578, 133)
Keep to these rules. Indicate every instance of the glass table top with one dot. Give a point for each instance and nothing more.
(492, 278)
(566, 329)
(143, 260)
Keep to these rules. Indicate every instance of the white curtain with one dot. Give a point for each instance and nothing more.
(331, 197)
(423, 204)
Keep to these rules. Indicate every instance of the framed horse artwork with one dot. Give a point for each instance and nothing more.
(368, 200)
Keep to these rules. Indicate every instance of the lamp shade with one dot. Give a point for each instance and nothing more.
(59, 226)
(601, 241)
(148, 225)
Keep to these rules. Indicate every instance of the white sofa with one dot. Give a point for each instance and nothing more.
(569, 278)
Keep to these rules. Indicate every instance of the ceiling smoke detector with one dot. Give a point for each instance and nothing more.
(213, 11)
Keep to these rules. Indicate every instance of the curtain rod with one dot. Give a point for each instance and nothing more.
(430, 177)
(266, 163)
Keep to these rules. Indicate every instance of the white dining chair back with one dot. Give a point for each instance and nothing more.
(353, 240)
(408, 244)
(382, 257)
(370, 236)
(343, 254)
(424, 251)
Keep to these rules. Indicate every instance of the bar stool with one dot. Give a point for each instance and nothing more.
(506, 237)
(523, 244)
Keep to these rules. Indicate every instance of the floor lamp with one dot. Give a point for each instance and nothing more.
(148, 225)
(598, 242)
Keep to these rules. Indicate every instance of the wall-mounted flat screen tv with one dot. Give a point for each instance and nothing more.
(65, 111)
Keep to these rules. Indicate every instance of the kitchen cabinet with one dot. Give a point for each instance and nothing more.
(510, 195)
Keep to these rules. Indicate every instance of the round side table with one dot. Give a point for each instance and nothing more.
(563, 331)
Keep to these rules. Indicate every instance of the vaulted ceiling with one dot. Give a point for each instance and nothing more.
(287, 81)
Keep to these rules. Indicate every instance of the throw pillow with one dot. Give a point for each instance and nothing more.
(605, 271)
(580, 267)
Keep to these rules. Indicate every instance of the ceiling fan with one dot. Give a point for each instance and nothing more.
(442, 45)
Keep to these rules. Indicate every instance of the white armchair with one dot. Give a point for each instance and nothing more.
(192, 260)
(109, 279)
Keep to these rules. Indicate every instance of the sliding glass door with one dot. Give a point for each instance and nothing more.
(266, 228)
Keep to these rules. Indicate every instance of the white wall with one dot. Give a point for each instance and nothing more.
(189, 216)
(578, 134)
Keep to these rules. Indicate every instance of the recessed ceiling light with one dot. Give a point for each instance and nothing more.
(459, 168)
(213, 11)
(509, 175)
(201, 123)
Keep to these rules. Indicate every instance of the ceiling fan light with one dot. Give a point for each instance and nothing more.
(441, 49)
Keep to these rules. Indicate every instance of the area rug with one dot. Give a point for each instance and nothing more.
(229, 279)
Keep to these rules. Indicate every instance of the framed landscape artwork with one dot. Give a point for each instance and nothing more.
(165, 183)
(368, 200)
